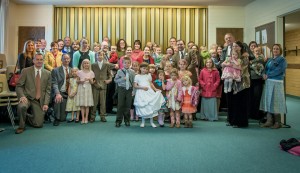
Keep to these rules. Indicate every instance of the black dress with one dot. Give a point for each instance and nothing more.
(83, 56)
(24, 62)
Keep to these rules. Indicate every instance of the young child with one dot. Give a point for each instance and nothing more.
(124, 79)
(102, 78)
(217, 64)
(160, 83)
(148, 100)
(231, 71)
(173, 88)
(209, 81)
(84, 98)
(157, 56)
(168, 68)
(113, 55)
(162, 63)
(214, 58)
(152, 70)
(72, 91)
(189, 100)
(135, 67)
(257, 64)
(182, 69)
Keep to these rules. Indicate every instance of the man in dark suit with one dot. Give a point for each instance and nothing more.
(103, 76)
(182, 53)
(33, 90)
(229, 39)
(60, 86)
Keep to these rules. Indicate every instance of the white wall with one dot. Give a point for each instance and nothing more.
(224, 17)
(261, 12)
(27, 15)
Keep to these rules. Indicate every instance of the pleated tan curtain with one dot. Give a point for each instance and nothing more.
(153, 24)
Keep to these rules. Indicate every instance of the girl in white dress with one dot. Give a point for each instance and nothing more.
(72, 91)
(84, 97)
(148, 100)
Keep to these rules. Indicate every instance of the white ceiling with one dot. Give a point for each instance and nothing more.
(292, 20)
(138, 2)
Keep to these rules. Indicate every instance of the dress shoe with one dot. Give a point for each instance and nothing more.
(118, 124)
(92, 120)
(103, 119)
(69, 121)
(112, 112)
(19, 130)
(29, 115)
(127, 123)
(56, 123)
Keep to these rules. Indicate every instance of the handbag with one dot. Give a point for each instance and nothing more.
(14, 78)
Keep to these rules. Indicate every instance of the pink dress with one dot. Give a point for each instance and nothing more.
(84, 96)
(230, 72)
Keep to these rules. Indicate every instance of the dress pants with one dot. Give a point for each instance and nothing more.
(38, 114)
(60, 108)
(124, 104)
(99, 95)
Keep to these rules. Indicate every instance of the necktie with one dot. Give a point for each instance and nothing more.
(127, 80)
(106, 57)
(182, 56)
(67, 80)
(38, 85)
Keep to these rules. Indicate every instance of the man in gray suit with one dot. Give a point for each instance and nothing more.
(60, 86)
(33, 90)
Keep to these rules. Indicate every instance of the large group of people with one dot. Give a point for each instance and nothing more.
(146, 82)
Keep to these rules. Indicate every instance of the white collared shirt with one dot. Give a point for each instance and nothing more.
(35, 72)
(100, 64)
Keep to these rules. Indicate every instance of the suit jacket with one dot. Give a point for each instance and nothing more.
(26, 85)
(50, 61)
(58, 77)
(192, 65)
(101, 75)
(176, 58)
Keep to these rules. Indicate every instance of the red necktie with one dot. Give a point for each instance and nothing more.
(67, 80)
(38, 85)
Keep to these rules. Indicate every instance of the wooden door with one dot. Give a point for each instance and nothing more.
(238, 33)
(29, 33)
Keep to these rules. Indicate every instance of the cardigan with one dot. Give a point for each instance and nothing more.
(275, 68)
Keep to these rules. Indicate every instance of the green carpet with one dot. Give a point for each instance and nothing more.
(100, 147)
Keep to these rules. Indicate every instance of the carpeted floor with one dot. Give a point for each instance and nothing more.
(100, 147)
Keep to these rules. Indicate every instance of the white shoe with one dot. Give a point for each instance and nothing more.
(153, 125)
(225, 90)
(142, 125)
(229, 90)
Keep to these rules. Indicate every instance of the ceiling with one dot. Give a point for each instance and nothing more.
(292, 20)
(138, 2)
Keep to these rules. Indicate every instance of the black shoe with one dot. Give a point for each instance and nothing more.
(112, 112)
(118, 124)
(56, 123)
(70, 121)
(127, 123)
(103, 119)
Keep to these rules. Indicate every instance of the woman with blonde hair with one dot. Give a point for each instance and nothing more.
(25, 58)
